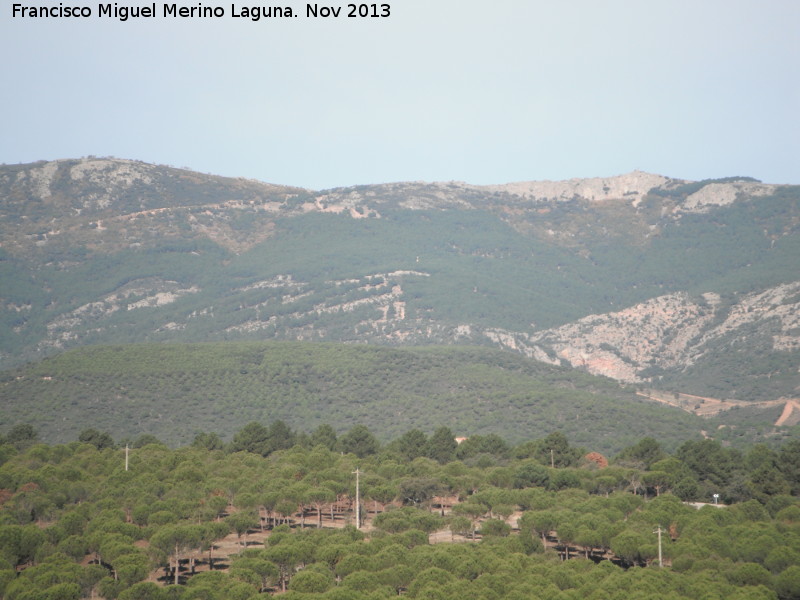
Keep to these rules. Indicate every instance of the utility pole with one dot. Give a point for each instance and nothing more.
(658, 531)
(552, 460)
(126, 457)
(358, 500)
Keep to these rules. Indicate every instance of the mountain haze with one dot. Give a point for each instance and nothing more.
(659, 282)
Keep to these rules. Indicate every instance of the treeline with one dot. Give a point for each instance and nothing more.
(541, 519)
(698, 470)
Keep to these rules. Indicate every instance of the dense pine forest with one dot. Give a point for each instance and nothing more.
(320, 515)
(174, 391)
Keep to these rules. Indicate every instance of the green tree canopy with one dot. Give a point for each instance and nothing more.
(442, 445)
(22, 436)
(359, 441)
(643, 454)
(96, 438)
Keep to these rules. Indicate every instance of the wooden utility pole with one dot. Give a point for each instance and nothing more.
(659, 532)
(358, 499)
(126, 457)
(552, 460)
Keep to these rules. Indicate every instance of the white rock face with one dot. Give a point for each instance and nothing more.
(672, 330)
(722, 194)
(620, 344)
(631, 186)
(69, 326)
(41, 178)
(162, 298)
(114, 172)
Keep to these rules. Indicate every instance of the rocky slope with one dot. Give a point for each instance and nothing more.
(671, 332)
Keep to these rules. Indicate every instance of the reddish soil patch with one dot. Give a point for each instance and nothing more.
(703, 406)
(790, 415)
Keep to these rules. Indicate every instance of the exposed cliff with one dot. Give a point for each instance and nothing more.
(672, 333)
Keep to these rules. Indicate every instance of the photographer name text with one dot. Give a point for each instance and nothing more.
(197, 11)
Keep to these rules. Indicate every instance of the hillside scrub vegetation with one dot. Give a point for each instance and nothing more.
(275, 511)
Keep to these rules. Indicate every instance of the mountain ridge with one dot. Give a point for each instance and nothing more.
(577, 272)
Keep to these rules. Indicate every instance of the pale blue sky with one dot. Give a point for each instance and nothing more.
(479, 91)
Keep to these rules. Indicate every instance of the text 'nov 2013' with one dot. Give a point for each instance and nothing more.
(196, 11)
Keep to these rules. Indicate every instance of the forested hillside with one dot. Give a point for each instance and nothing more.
(698, 280)
(174, 391)
(344, 517)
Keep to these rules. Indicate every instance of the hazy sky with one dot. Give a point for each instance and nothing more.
(488, 91)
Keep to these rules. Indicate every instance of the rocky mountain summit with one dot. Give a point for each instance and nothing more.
(653, 281)
(629, 189)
